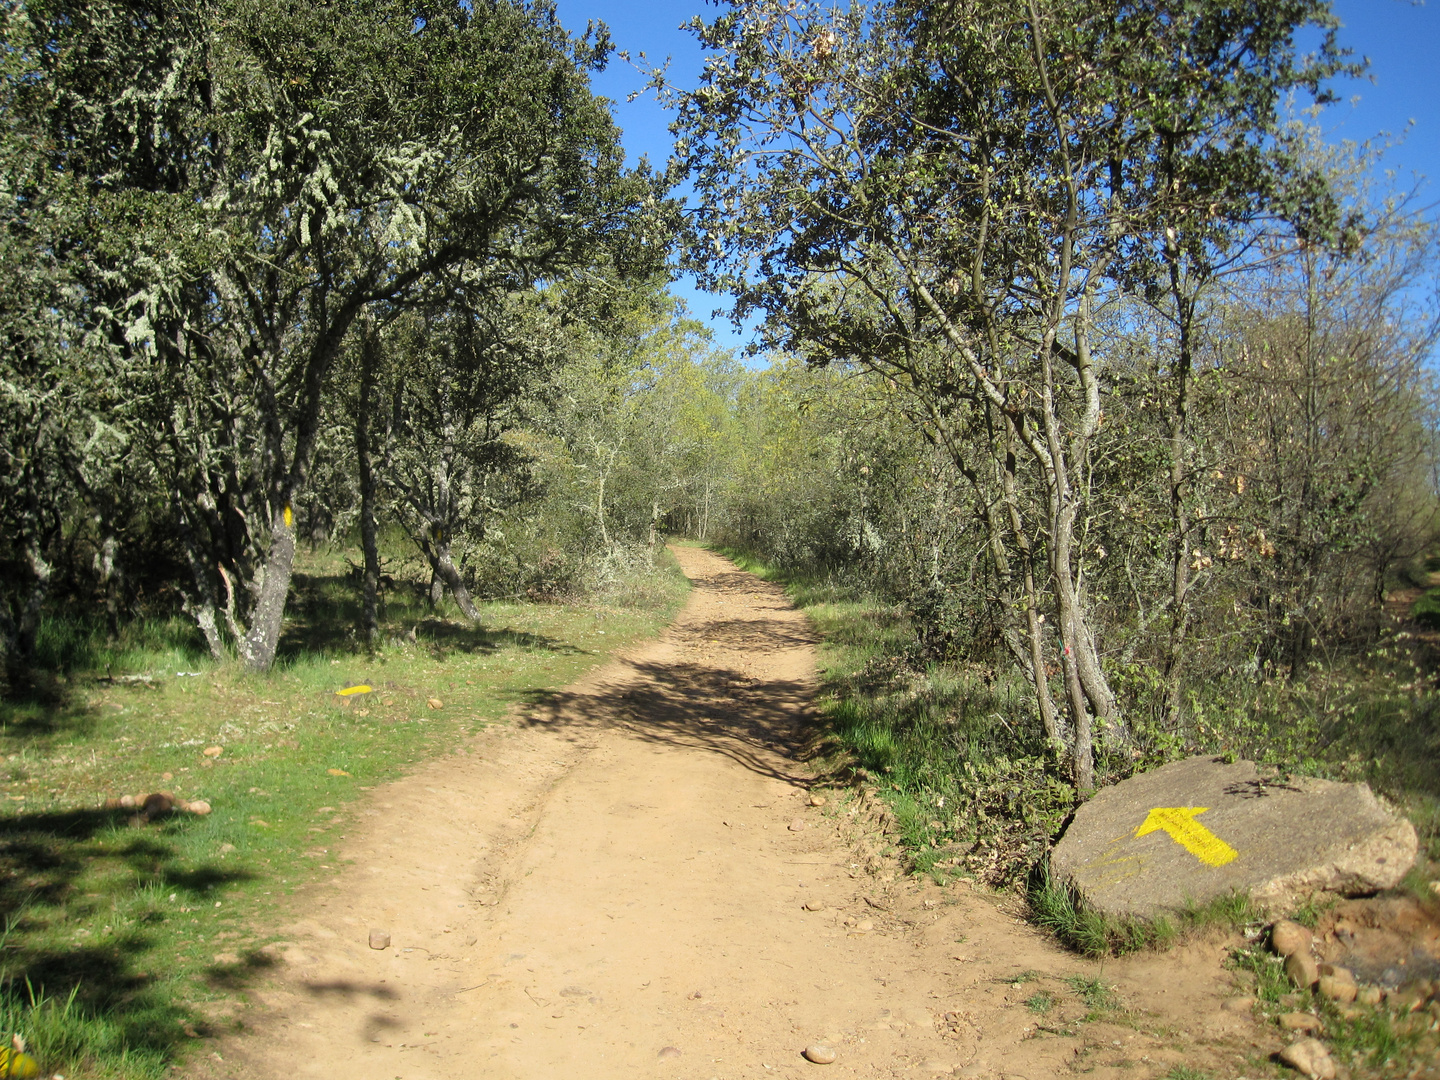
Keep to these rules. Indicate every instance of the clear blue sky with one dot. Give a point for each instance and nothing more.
(1400, 38)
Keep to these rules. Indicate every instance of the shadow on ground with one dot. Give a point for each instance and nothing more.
(758, 723)
(61, 873)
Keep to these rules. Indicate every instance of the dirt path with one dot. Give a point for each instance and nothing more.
(618, 884)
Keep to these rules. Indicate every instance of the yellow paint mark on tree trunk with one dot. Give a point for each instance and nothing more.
(1180, 823)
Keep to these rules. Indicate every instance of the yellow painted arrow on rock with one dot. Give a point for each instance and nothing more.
(1180, 823)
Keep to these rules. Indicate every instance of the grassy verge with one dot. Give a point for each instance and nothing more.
(121, 939)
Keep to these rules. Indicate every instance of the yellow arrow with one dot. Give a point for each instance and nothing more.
(1180, 823)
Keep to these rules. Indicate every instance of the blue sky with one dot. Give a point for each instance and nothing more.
(1399, 37)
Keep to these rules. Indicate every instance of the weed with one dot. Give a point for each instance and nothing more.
(1094, 993)
(1308, 914)
(1185, 1072)
(1266, 969)
(1374, 1037)
(1040, 1002)
(1230, 911)
(1059, 910)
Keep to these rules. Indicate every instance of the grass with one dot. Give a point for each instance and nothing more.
(1092, 933)
(1369, 1039)
(1096, 995)
(120, 941)
(1040, 1002)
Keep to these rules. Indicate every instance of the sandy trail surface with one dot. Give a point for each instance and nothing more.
(630, 880)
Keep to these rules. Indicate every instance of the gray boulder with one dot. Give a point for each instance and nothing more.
(1197, 829)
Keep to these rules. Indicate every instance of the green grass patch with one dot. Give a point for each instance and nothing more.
(1059, 910)
(123, 939)
(1040, 1002)
(1097, 996)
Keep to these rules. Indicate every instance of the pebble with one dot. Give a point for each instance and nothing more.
(436, 703)
(815, 905)
(865, 926)
(1370, 995)
(797, 825)
(1337, 989)
(379, 939)
(1407, 1000)
(1299, 1021)
(1239, 1004)
(1310, 1057)
(213, 751)
(820, 1055)
(817, 800)
(669, 1052)
(1302, 969)
(198, 806)
(1288, 938)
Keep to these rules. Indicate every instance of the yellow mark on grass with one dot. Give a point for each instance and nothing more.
(361, 689)
(1180, 823)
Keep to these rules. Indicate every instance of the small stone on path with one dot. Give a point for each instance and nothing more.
(379, 939)
(797, 825)
(820, 1055)
(817, 800)
(815, 905)
(1239, 1004)
(1299, 1021)
(669, 1052)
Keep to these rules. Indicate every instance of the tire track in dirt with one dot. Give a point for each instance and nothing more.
(613, 878)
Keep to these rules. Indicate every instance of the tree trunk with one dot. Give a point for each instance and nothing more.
(1174, 664)
(257, 647)
(369, 607)
(444, 573)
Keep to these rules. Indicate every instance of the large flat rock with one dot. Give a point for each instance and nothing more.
(1199, 828)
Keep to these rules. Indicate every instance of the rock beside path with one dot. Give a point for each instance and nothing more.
(1199, 829)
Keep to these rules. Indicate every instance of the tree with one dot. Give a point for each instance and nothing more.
(950, 195)
(258, 174)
